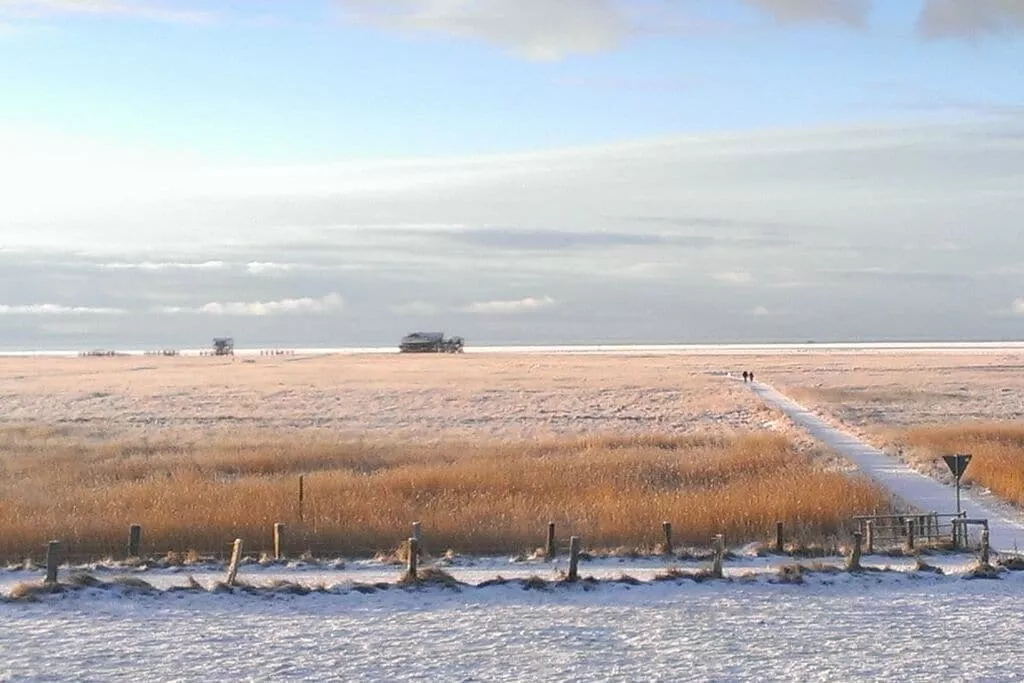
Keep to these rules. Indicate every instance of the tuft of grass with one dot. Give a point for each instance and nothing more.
(790, 573)
(671, 574)
(984, 571)
(1013, 563)
(431, 576)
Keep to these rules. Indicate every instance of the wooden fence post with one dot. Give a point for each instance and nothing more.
(869, 537)
(411, 572)
(278, 540)
(778, 538)
(549, 547)
(719, 556)
(236, 557)
(134, 540)
(666, 527)
(984, 548)
(301, 492)
(574, 558)
(417, 534)
(853, 561)
(910, 535)
(52, 561)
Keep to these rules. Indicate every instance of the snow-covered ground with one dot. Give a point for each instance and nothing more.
(1006, 524)
(901, 625)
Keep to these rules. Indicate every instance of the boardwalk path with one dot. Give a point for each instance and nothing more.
(1006, 524)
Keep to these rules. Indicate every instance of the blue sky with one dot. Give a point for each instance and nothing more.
(523, 170)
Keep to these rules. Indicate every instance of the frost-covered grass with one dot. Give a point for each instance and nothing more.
(479, 497)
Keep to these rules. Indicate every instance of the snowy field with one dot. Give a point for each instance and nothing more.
(901, 625)
(878, 626)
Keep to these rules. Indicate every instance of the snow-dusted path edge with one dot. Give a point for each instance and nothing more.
(1006, 525)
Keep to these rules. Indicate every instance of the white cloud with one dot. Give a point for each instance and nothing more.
(760, 311)
(1017, 307)
(330, 303)
(32, 9)
(537, 29)
(268, 268)
(552, 29)
(526, 305)
(970, 18)
(56, 309)
(852, 12)
(734, 277)
(164, 265)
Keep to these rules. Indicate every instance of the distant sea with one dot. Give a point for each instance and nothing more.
(610, 349)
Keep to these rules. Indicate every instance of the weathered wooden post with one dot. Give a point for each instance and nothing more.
(236, 557)
(549, 547)
(278, 540)
(666, 528)
(300, 498)
(416, 533)
(853, 561)
(52, 561)
(984, 548)
(910, 535)
(574, 558)
(411, 571)
(134, 540)
(778, 538)
(869, 537)
(719, 556)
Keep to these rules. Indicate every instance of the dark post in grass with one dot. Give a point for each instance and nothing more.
(869, 531)
(910, 535)
(778, 538)
(983, 555)
(278, 540)
(853, 561)
(300, 498)
(414, 551)
(719, 556)
(667, 528)
(549, 547)
(52, 560)
(236, 557)
(574, 558)
(134, 540)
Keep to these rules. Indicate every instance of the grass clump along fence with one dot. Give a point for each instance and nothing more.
(997, 450)
(474, 497)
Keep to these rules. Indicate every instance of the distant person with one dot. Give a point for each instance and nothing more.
(751, 376)
(744, 376)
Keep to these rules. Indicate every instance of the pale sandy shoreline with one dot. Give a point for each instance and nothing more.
(506, 395)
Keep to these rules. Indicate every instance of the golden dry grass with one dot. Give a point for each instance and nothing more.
(475, 496)
(997, 450)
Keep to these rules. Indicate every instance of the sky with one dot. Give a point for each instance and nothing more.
(342, 172)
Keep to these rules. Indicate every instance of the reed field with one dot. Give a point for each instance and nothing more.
(474, 497)
(997, 452)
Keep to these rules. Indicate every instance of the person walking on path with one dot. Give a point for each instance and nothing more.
(744, 376)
